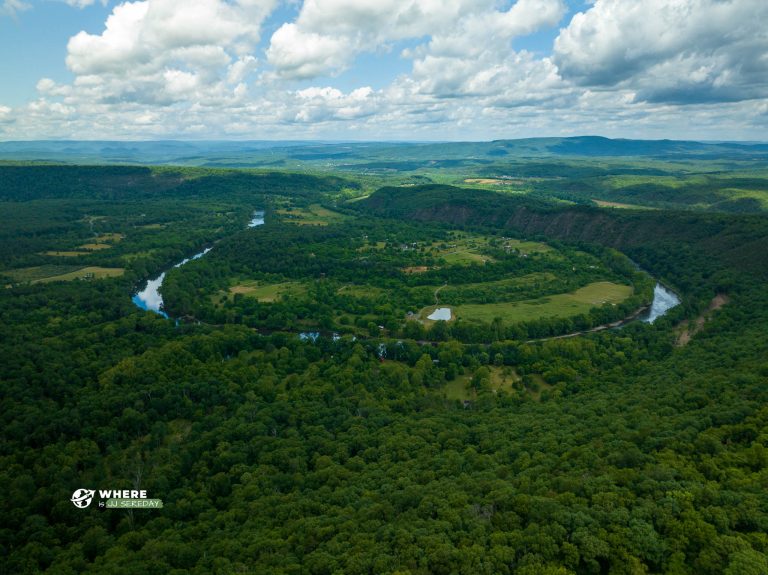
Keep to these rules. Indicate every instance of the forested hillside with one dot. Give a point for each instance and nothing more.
(373, 450)
(736, 241)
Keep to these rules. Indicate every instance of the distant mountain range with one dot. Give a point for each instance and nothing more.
(390, 156)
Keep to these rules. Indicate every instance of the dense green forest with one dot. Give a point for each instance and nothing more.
(389, 443)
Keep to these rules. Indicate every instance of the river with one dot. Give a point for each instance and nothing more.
(663, 301)
(150, 298)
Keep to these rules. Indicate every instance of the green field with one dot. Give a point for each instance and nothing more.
(268, 293)
(465, 248)
(525, 247)
(53, 273)
(604, 204)
(362, 291)
(314, 215)
(560, 305)
(465, 257)
(461, 389)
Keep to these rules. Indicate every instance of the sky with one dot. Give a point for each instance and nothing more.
(421, 70)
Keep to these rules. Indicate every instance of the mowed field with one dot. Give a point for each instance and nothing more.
(560, 305)
(314, 215)
(267, 293)
(53, 273)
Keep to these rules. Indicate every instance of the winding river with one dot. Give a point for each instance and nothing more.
(151, 299)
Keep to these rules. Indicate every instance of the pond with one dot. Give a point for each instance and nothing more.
(440, 314)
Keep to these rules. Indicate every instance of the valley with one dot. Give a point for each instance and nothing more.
(395, 365)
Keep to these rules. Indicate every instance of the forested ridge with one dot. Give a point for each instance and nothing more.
(617, 452)
(734, 240)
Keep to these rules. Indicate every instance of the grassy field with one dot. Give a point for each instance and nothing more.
(464, 257)
(560, 305)
(113, 238)
(94, 247)
(604, 204)
(525, 247)
(361, 291)
(268, 293)
(314, 215)
(502, 378)
(54, 273)
(100, 242)
(464, 248)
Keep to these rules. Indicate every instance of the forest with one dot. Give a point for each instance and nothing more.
(385, 442)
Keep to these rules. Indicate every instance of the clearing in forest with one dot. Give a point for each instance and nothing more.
(502, 378)
(268, 292)
(560, 305)
(53, 273)
(314, 215)
(605, 204)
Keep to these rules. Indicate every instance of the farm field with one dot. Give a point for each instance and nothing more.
(561, 305)
(94, 247)
(268, 293)
(53, 273)
(314, 215)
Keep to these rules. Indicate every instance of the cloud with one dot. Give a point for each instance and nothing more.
(13, 7)
(158, 52)
(325, 104)
(5, 114)
(328, 34)
(301, 54)
(167, 69)
(83, 3)
(151, 34)
(679, 51)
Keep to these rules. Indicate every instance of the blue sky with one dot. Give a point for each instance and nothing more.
(390, 69)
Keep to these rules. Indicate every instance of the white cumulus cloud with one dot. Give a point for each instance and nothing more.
(200, 68)
(162, 51)
(682, 51)
(328, 34)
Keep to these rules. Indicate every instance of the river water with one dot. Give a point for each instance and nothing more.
(151, 299)
(663, 301)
